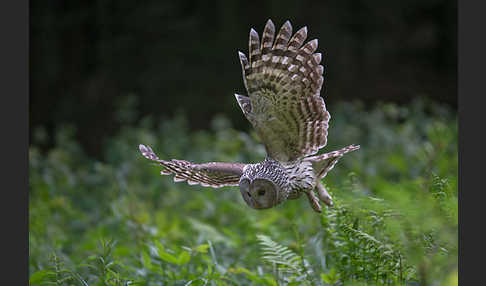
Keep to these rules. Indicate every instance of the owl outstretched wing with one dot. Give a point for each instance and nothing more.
(213, 174)
(283, 80)
(324, 163)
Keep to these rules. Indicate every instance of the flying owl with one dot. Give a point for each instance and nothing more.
(283, 79)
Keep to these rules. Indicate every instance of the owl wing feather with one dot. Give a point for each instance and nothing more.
(213, 174)
(324, 163)
(283, 80)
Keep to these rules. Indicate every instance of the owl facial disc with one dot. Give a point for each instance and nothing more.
(259, 193)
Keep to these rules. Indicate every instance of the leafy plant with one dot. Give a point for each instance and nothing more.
(283, 259)
(116, 221)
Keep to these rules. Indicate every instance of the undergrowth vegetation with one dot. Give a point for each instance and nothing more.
(118, 222)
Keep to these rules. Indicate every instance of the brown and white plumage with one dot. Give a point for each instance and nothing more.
(283, 78)
(213, 174)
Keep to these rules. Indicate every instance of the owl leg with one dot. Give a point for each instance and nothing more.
(314, 201)
(323, 195)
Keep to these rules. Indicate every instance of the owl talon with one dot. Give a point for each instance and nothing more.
(314, 202)
(323, 194)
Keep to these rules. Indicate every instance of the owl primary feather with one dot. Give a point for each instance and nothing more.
(283, 78)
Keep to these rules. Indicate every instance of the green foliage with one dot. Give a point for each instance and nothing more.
(118, 222)
(284, 260)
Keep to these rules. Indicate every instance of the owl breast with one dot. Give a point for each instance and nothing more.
(290, 178)
(301, 177)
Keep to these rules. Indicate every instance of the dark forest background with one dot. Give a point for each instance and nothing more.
(166, 57)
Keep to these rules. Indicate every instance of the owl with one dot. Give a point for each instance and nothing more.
(283, 79)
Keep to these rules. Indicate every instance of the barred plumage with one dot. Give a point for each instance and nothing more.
(213, 174)
(324, 163)
(283, 78)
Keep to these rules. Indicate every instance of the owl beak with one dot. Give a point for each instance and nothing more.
(256, 205)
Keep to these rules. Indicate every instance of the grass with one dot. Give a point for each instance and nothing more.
(118, 222)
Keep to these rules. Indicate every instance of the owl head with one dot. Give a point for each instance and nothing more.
(263, 185)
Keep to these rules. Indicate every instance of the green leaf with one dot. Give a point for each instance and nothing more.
(147, 262)
(265, 280)
(270, 281)
(167, 257)
(210, 269)
(326, 278)
(159, 245)
(203, 248)
(330, 278)
(184, 257)
(40, 276)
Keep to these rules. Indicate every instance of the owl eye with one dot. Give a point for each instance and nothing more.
(261, 192)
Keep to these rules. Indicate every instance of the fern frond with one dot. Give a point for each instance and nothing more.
(366, 238)
(282, 256)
